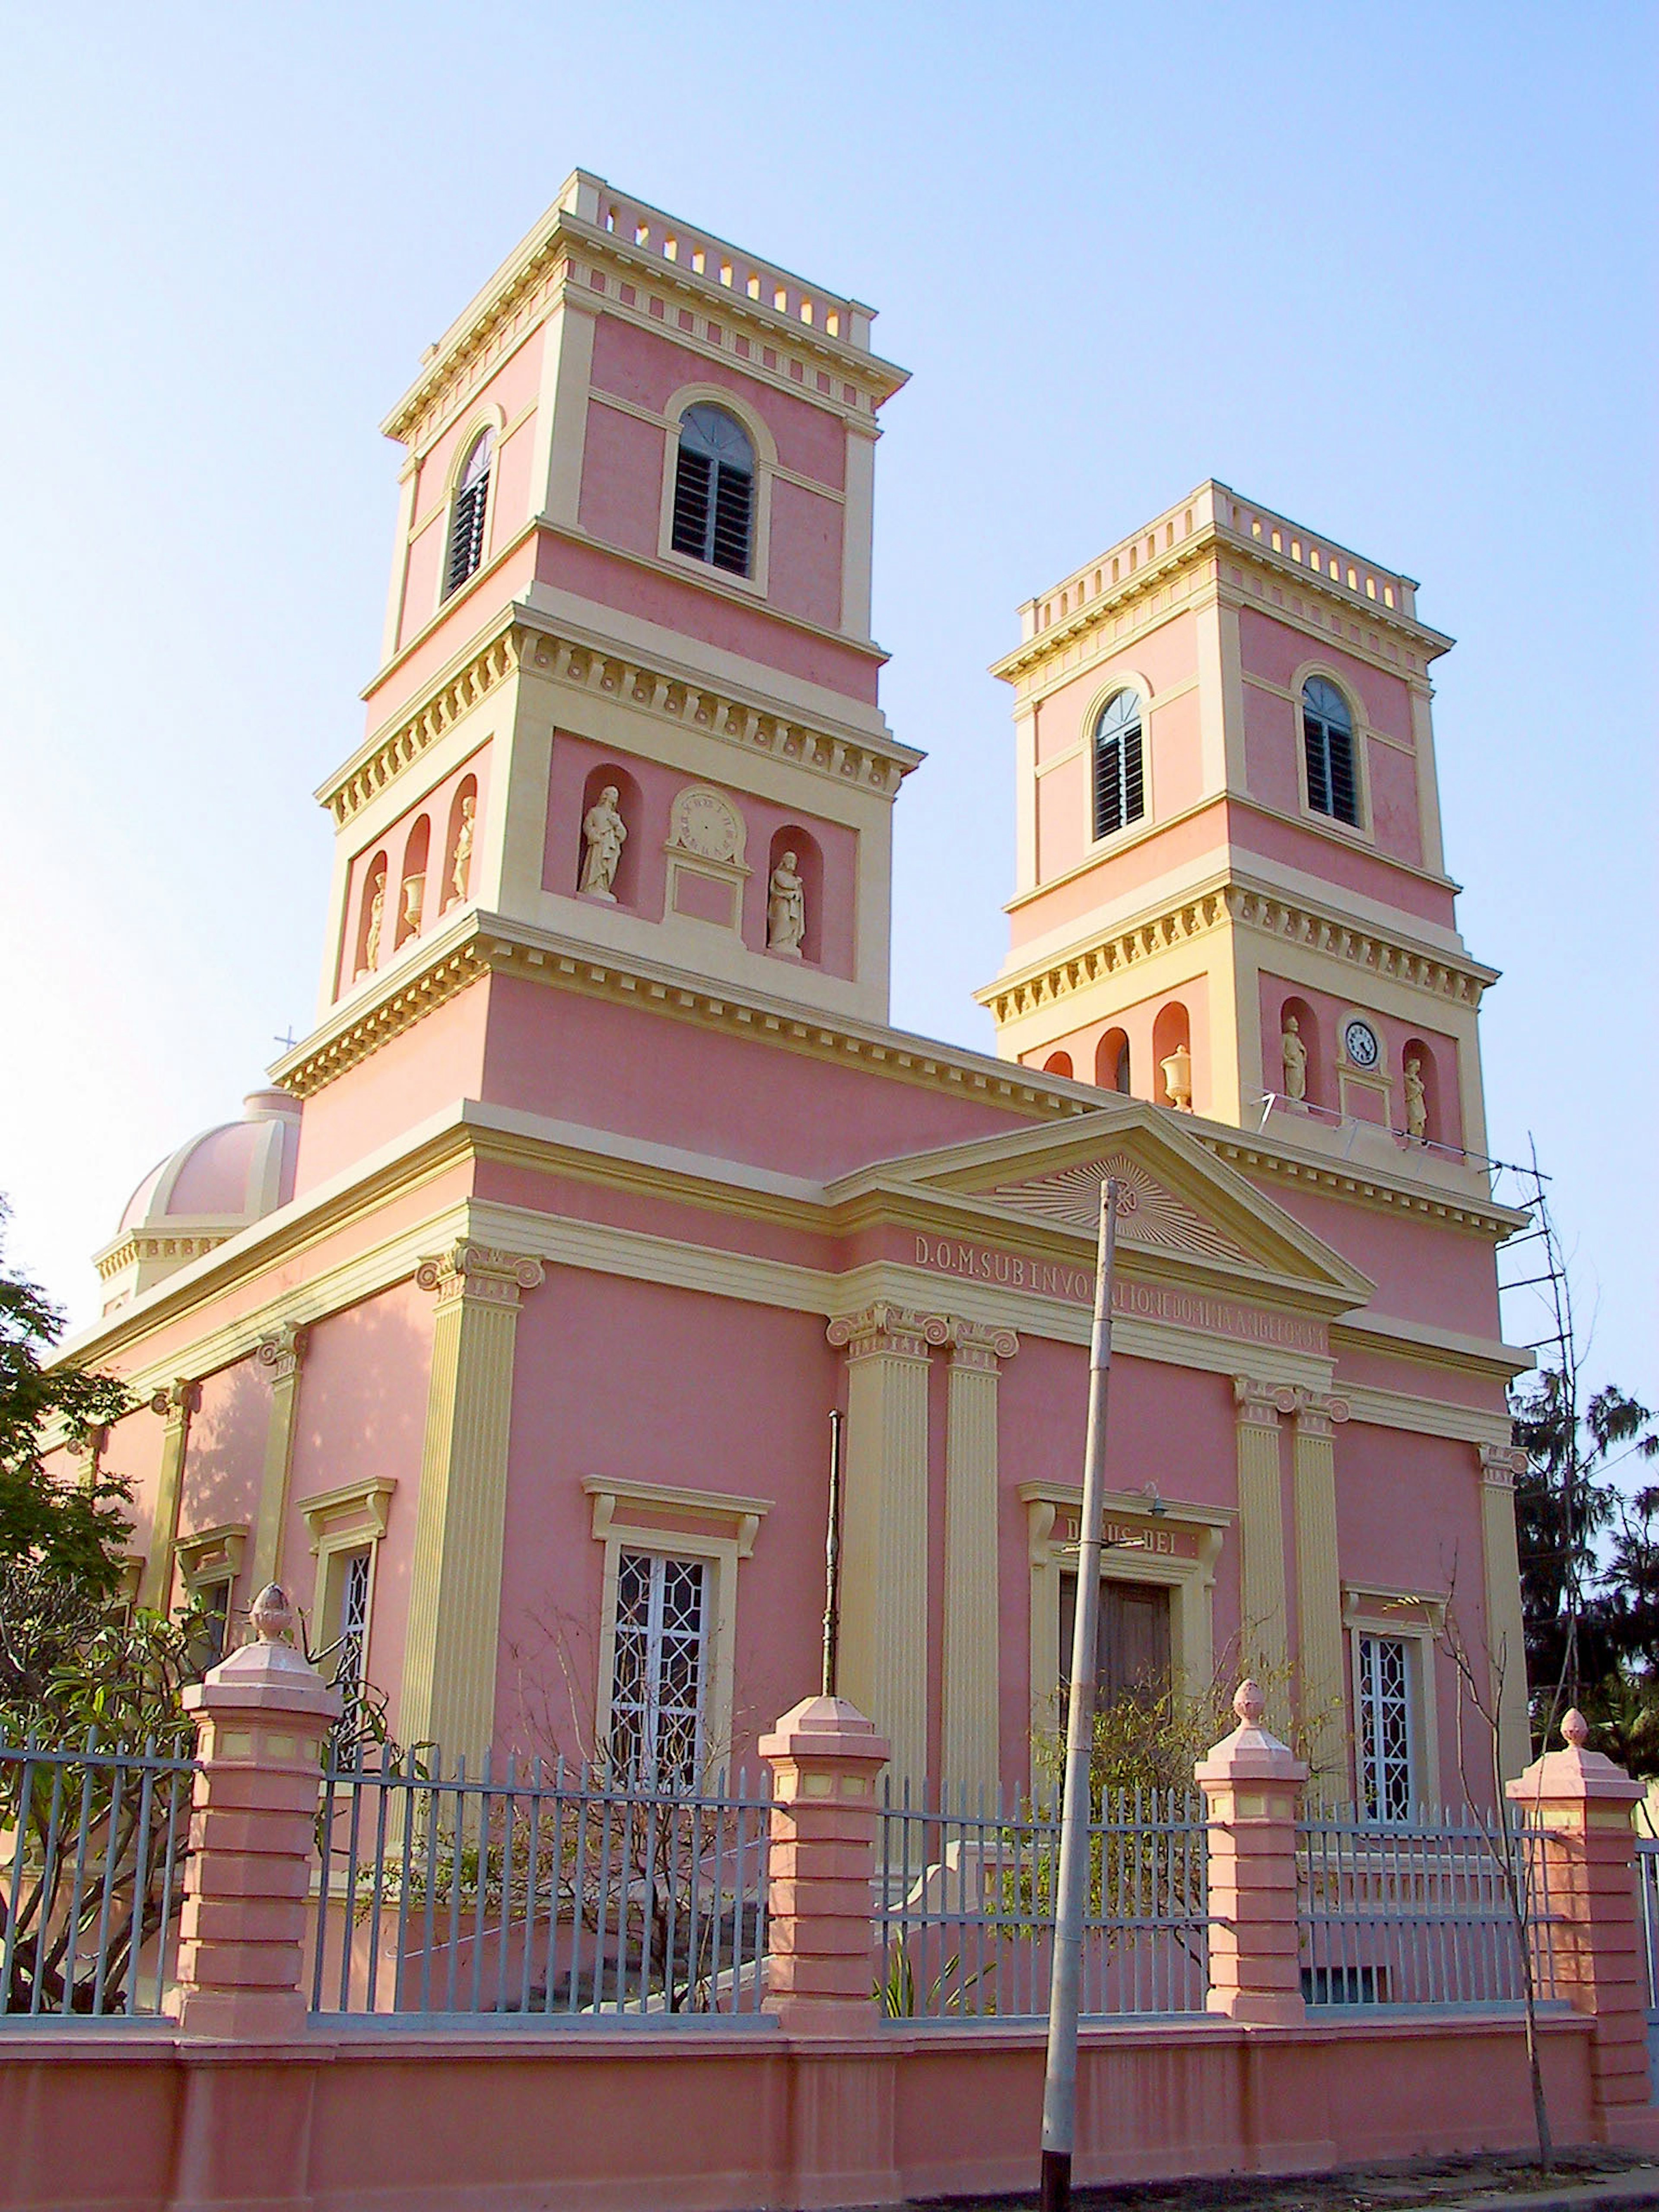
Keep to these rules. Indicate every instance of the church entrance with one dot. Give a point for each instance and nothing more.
(1133, 1653)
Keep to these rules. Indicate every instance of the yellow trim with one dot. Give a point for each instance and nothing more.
(1412, 1617)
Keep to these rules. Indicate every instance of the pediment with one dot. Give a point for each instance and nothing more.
(1178, 1202)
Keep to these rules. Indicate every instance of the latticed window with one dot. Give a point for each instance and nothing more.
(1119, 786)
(714, 490)
(466, 525)
(656, 1680)
(1327, 740)
(1384, 1700)
(353, 1625)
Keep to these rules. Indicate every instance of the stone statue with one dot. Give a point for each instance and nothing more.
(376, 909)
(463, 867)
(606, 833)
(1417, 1101)
(414, 899)
(786, 909)
(1294, 1054)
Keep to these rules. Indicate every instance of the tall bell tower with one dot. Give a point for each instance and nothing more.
(1231, 895)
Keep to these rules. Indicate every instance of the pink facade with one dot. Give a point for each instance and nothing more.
(613, 1179)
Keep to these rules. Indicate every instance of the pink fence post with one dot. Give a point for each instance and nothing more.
(261, 1715)
(821, 1968)
(1252, 1785)
(1580, 1802)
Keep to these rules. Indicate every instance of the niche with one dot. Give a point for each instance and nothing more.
(1112, 1062)
(1172, 1035)
(621, 888)
(1057, 1063)
(809, 867)
(1424, 1109)
(458, 843)
(371, 911)
(412, 893)
(1275, 1076)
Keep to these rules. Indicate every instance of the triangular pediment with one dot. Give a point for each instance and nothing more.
(1178, 1202)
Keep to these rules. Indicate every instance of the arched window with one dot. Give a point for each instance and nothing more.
(1327, 738)
(466, 522)
(1120, 786)
(714, 490)
(1057, 1063)
(1112, 1062)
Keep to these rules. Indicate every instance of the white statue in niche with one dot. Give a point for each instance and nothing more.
(786, 909)
(605, 833)
(376, 912)
(463, 867)
(1417, 1101)
(1294, 1054)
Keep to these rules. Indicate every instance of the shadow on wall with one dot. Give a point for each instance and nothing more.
(1112, 1062)
(1171, 1031)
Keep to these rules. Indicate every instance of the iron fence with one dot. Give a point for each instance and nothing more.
(535, 1896)
(1421, 1913)
(1647, 1884)
(966, 1906)
(92, 1844)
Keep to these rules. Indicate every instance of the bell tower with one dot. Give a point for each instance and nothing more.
(1232, 895)
(628, 691)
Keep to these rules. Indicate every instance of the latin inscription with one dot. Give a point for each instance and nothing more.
(983, 1263)
(1146, 1536)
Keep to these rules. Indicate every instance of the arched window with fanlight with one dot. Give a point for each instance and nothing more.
(714, 490)
(1119, 783)
(1327, 741)
(468, 516)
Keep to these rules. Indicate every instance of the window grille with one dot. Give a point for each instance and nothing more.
(1385, 1728)
(1328, 739)
(1119, 783)
(714, 490)
(657, 1678)
(213, 1599)
(466, 528)
(353, 1623)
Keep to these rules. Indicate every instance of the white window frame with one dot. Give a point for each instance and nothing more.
(1413, 1619)
(340, 1524)
(1355, 832)
(679, 1523)
(211, 1559)
(493, 419)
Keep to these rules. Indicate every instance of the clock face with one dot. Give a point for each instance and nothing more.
(1359, 1042)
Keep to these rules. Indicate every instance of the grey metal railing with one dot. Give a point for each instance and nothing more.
(1419, 1913)
(530, 1895)
(966, 1899)
(1647, 1888)
(92, 1844)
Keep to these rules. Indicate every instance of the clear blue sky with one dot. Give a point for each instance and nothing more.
(1386, 270)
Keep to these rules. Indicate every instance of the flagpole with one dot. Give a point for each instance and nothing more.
(1060, 2079)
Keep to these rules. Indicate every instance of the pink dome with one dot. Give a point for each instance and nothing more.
(225, 1177)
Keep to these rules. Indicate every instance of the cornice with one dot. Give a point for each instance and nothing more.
(1391, 955)
(1369, 1187)
(523, 637)
(530, 280)
(1074, 610)
(475, 943)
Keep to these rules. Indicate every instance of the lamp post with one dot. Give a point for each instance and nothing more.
(1060, 2078)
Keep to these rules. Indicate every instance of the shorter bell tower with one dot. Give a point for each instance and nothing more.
(1231, 896)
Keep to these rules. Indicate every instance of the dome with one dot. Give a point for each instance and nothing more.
(199, 1196)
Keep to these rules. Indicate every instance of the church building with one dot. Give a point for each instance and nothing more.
(505, 1326)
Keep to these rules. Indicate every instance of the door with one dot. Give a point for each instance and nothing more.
(1133, 1654)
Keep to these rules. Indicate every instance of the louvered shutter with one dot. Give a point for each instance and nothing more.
(1328, 746)
(1120, 786)
(693, 482)
(732, 500)
(466, 525)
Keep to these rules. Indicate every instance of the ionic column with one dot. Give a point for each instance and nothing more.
(461, 1516)
(1262, 1530)
(1506, 1635)
(970, 1745)
(884, 1620)
(280, 1356)
(1319, 1580)
(176, 1404)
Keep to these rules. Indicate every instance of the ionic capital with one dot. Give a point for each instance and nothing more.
(1316, 1415)
(281, 1352)
(1260, 1404)
(178, 1401)
(479, 1275)
(979, 1347)
(885, 1330)
(1501, 1465)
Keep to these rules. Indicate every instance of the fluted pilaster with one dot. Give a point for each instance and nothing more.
(971, 1685)
(1261, 1533)
(460, 1517)
(1506, 1636)
(177, 1405)
(1319, 1580)
(279, 1357)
